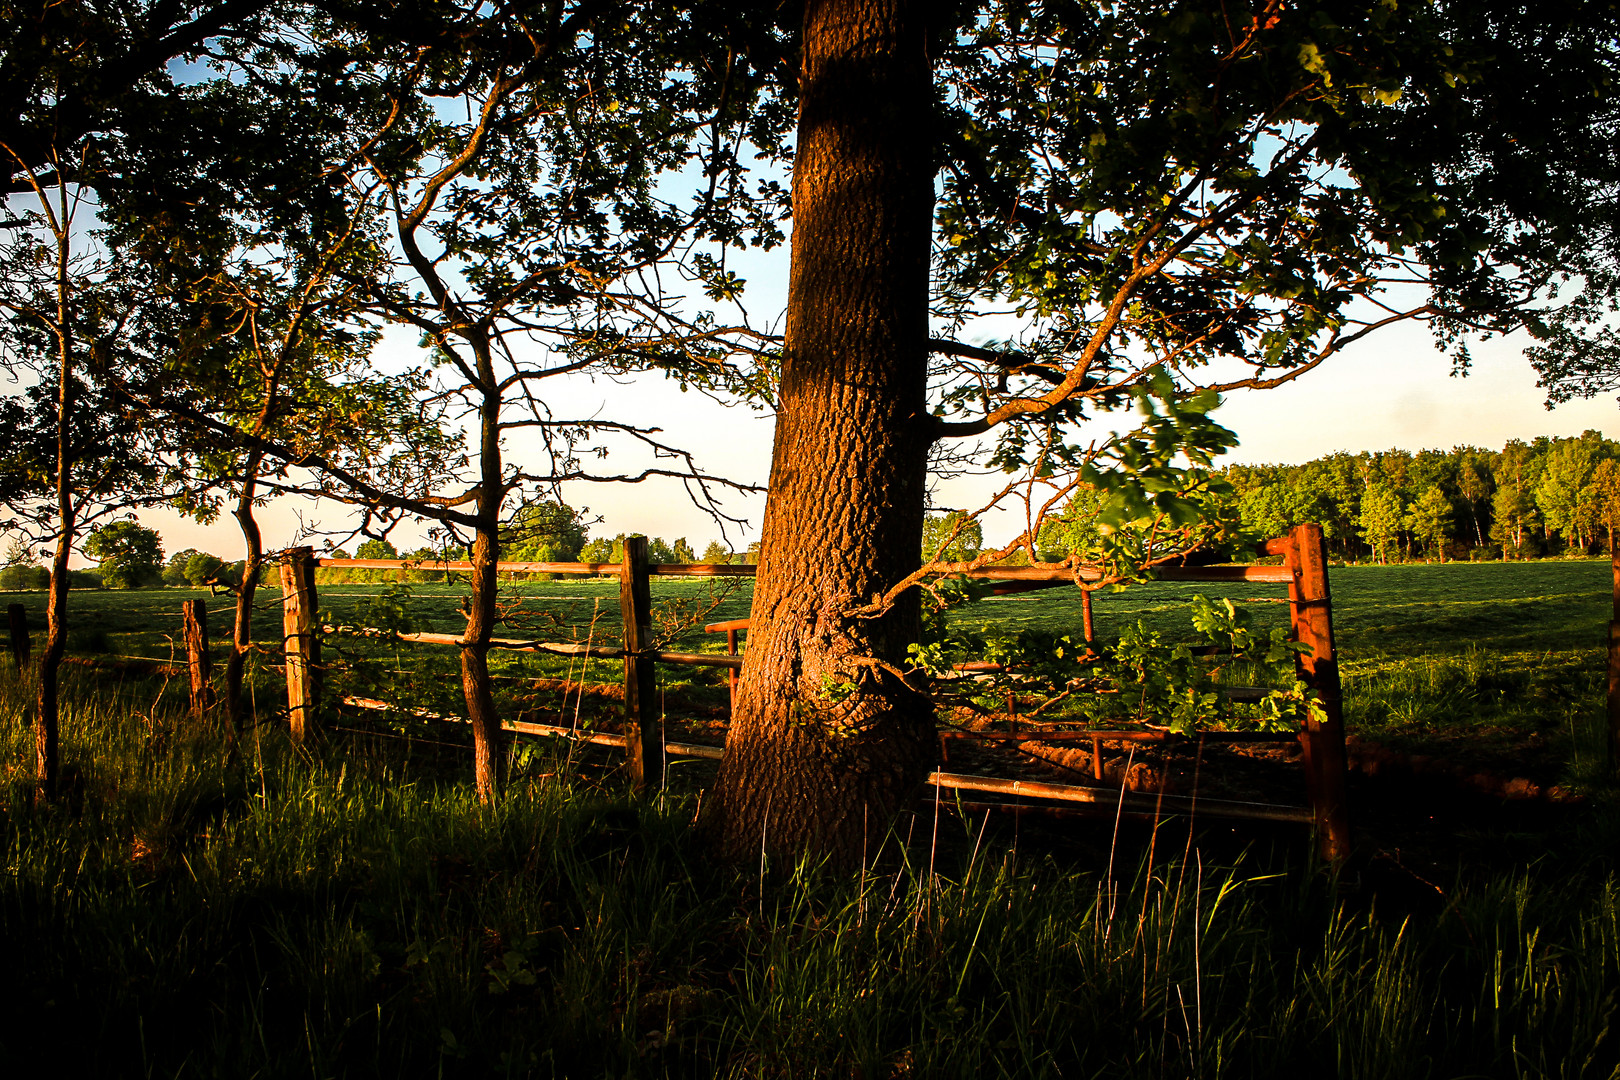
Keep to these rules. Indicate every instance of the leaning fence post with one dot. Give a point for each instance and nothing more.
(643, 721)
(301, 640)
(22, 650)
(1311, 615)
(199, 662)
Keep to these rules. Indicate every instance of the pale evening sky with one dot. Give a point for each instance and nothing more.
(1391, 390)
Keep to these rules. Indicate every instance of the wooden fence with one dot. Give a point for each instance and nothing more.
(1303, 571)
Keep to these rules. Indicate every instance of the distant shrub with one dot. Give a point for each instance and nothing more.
(24, 577)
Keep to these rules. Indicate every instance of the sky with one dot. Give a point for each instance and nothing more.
(1393, 389)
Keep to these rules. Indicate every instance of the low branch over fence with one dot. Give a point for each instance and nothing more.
(560, 648)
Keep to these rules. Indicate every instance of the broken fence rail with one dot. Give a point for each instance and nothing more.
(941, 781)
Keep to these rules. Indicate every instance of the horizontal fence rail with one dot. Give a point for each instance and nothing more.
(598, 569)
(1280, 575)
(560, 648)
(1032, 789)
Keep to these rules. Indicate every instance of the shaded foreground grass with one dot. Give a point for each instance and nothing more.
(190, 911)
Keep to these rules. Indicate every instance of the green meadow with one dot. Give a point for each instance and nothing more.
(197, 907)
(1488, 660)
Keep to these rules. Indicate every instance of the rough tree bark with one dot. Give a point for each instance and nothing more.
(826, 739)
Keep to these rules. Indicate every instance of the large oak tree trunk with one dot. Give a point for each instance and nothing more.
(826, 739)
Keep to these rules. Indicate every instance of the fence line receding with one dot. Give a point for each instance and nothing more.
(1303, 570)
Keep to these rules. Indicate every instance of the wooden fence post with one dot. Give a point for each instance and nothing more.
(1614, 663)
(301, 641)
(643, 720)
(22, 650)
(1311, 613)
(199, 662)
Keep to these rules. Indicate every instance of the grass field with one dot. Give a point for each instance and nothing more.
(1492, 661)
(1380, 612)
(192, 909)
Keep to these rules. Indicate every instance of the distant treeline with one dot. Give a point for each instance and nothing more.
(1547, 497)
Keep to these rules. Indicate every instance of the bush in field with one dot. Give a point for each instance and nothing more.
(202, 568)
(194, 569)
(130, 554)
(174, 571)
(544, 531)
(659, 550)
(376, 549)
(19, 576)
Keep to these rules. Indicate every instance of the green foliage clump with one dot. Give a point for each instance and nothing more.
(376, 549)
(951, 537)
(1546, 496)
(611, 550)
(1141, 679)
(19, 578)
(131, 555)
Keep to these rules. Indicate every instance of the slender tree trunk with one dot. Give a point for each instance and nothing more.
(242, 632)
(826, 740)
(45, 730)
(486, 553)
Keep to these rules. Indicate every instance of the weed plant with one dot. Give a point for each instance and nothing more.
(197, 908)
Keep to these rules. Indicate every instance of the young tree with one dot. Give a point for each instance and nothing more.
(68, 453)
(131, 555)
(1563, 492)
(534, 234)
(1606, 496)
(1430, 520)
(716, 553)
(1513, 514)
(1475, 484)
(544, 530)
(951, 537)
(534, 240)
(1381, 519)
